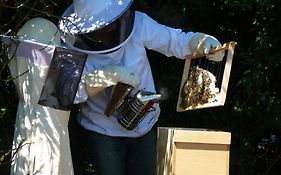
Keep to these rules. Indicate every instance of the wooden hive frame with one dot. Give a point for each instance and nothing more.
(227, 62)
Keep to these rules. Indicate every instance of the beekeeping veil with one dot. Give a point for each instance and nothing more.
(97, 26)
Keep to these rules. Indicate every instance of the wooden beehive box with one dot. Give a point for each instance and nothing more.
(221, 72)
(186, 151)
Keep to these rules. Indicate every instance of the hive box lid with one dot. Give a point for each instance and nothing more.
(198, 135)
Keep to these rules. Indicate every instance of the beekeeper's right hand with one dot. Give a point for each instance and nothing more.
(203, 43)
(96, 81)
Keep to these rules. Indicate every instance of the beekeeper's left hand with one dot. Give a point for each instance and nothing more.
(110, 75)
(203, 43)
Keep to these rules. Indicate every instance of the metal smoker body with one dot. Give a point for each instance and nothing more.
(130, 110)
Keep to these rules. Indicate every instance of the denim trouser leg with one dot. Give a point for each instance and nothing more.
(122, 155)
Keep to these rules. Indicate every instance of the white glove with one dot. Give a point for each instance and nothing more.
(203, 43)
(124, 75)
(108, 76)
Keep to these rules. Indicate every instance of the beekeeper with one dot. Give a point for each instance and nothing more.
(41, 140)
(116, 37)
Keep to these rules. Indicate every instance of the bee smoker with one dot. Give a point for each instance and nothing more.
(131, 110)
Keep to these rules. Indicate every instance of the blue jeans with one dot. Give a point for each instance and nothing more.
(123, 155)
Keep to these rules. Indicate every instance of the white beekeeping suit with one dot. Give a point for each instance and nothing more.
(41, 139)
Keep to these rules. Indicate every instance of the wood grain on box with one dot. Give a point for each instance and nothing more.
(186, 151)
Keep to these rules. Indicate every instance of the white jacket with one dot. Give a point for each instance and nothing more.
(147, 33)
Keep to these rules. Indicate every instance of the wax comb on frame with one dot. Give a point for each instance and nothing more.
(221, 71)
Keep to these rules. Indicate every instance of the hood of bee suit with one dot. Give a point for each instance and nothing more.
(97, 26)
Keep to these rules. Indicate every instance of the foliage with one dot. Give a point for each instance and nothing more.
(252, 112)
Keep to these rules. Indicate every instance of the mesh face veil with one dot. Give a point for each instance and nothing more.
(110, 36)
(99, 33)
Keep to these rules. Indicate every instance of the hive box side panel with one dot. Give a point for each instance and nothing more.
(184, 151)
(164, 151)
(201, 159)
